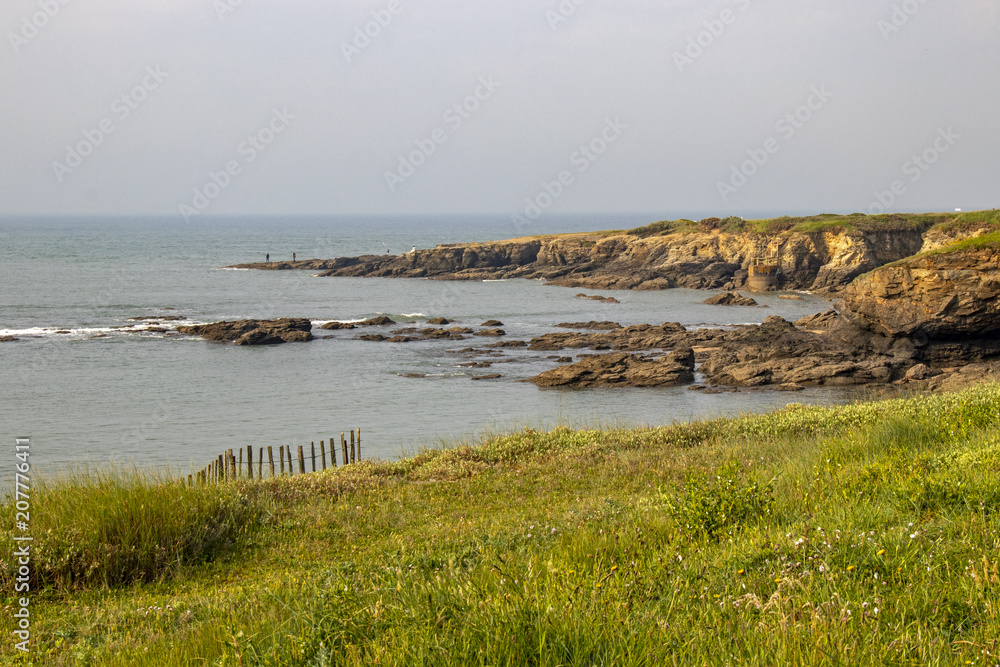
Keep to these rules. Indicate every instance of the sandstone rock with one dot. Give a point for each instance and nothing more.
(492, 376)
(8, 339)
(509, 343)
(590, 325)
(819, 321)
(372, 337)
(730, 299)
(920, 372)
(817, 260)
(492, 323)
(438, 320)
(254, 332)
(380, 321)
(490, 332)
(259, 337)
(790, 297)
(622, 369)
(335, 326)
(948, 294)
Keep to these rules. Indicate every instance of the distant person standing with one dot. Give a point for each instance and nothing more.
(267, 257)
(293, 256)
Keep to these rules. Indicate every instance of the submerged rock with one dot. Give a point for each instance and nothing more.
(254, 332)
(730, 299)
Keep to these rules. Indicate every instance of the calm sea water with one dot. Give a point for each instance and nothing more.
(155, 400)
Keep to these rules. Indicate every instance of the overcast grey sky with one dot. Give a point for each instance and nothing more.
(149, 107)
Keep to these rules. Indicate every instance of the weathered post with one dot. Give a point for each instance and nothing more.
(270, 458)
(343, 446)
(281, 456)
(312, 446)
(250, 461)
(353, 455)
(322, 451)
(302, 462)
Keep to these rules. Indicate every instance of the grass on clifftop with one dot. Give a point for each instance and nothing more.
(866, 534)
(826, 222)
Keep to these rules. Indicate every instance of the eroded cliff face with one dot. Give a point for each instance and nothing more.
(824, 260)
(949, 295)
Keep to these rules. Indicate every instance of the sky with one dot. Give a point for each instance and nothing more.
(200, 108)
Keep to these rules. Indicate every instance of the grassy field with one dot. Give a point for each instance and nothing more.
(866, 535)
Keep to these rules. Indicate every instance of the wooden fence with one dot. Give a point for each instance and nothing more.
(231, 465)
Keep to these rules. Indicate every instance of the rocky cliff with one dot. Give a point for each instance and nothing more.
(949, 294)
(819, 253)
(822, 260)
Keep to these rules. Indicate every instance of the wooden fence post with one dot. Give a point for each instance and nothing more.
(291, 463)
(270, 458)
(302, 462)
(312, 447)
(343, 446)
(333, 454)
(281, 457)
(260, 463)
(359, 444)
(322, 451)
(353, 456)
(219, 469)
(239, 468)
(250, 461)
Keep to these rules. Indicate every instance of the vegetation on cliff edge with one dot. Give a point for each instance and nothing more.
(827, 222)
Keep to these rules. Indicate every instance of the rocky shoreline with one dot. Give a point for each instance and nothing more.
(919, 303)
(819, 253)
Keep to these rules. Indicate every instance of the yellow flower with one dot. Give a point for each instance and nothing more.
(741, 571)
(850, 568)
(777, 580)
(881, 552)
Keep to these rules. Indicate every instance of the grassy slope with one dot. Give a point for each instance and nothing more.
(866, 534)
(827, 221)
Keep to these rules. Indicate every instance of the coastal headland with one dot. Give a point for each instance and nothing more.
(821, 253)
(916, 298)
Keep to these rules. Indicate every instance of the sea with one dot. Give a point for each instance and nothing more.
(93, 391)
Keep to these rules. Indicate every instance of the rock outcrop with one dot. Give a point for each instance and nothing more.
(947, 295)
(715, 259)
(730, 299)
(623, 369)
(254, 332)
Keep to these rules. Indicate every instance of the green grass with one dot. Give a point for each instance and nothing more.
(854, 222)
(866, 534)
